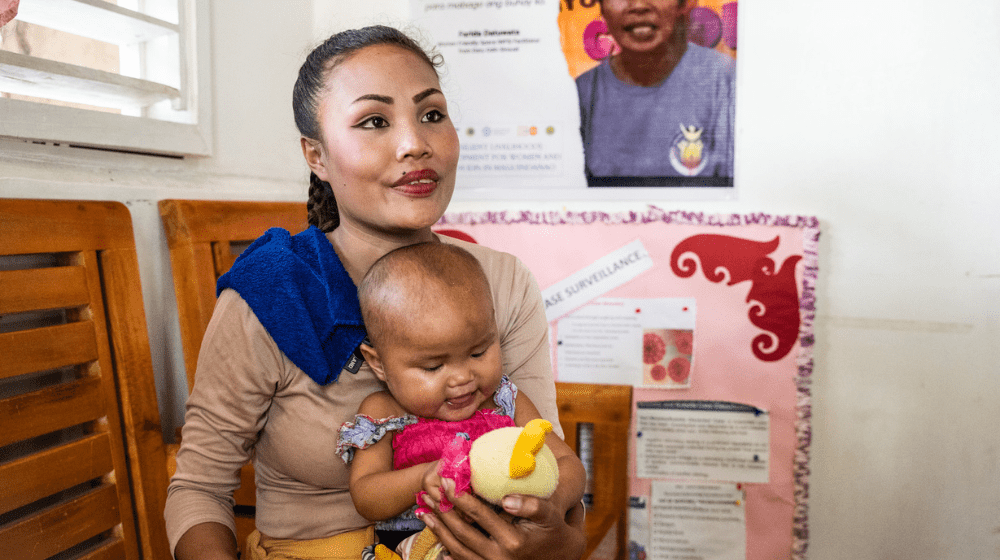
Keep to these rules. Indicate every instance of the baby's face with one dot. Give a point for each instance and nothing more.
(444, 363)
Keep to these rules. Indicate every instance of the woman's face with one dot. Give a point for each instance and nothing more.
(643, 25)
(388, 148)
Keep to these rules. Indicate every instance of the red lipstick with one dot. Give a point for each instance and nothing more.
(418, 183)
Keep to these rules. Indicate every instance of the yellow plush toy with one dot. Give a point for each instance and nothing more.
(501, 462)
(514, 461)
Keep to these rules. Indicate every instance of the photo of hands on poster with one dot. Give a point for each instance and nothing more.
(589, 95)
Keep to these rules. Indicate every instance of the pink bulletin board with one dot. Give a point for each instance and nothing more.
(752, 277)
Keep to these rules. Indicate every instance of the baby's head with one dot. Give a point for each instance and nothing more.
(429, 314)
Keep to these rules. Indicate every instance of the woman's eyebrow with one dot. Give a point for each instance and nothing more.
(389, 101)
(375, 97)
(425, 94)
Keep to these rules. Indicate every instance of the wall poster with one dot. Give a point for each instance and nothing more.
(709, 318)
(557, 98)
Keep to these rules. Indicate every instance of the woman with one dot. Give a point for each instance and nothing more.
(277, 373)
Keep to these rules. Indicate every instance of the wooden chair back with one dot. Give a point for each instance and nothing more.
(82, 470)
(205, 237)
(202, 235)
(604, 411)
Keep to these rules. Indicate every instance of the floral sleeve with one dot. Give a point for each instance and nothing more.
(366, 431)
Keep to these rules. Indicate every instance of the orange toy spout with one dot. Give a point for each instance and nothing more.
(522, 460)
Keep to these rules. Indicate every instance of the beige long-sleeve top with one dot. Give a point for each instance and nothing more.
(250, 401)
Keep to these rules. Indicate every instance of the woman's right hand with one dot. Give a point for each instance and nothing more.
(540, 529)
(206, 541)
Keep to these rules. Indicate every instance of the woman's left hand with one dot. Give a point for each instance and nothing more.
(540, 530)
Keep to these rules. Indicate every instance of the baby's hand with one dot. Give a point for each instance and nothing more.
(432, 480)
(430, 495)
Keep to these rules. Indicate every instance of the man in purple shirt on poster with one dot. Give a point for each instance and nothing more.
(660, 111)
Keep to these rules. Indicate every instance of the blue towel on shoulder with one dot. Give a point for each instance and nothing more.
(301, 293)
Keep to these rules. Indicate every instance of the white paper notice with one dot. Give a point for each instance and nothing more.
(606, 342)
(696, 521)
(702, 440)
(511, 98)
(600, 343)
(638, 527)
(597, 279)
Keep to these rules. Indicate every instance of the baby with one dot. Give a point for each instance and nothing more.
(432, 338)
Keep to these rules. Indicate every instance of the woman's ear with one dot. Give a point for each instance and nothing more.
(312, 150)
(372, 357)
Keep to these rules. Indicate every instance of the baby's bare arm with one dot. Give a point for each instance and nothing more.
(378, 491)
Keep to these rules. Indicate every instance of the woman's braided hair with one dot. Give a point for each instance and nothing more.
(322, 205)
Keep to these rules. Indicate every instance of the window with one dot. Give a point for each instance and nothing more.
(127, 75)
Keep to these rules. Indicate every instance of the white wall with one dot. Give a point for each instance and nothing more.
(331, 16)
(880, 118)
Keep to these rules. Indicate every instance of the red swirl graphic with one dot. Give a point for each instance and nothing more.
(774, 307)
(773, 295)
(720, 254)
